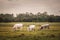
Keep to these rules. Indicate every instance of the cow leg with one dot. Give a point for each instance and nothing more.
(41, 28)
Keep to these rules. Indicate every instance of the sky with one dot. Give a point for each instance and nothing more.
(34, 6)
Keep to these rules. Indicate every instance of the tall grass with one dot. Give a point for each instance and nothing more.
(6, 32)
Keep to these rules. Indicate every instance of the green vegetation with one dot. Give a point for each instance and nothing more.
(7, 33)
(29, 17)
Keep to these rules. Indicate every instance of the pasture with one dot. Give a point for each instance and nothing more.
(7, 33)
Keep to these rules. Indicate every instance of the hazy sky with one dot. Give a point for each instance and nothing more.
(34, 6)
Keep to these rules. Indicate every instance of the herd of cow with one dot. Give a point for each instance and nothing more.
(30, 27)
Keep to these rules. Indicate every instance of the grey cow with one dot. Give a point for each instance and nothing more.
(44, 26)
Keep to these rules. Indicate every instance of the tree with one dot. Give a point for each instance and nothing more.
(6, 17)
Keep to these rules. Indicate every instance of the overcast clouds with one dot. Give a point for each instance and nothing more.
(34, 6)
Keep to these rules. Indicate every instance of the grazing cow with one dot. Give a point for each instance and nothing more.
(18, 26)
(31, 27)
(44, 26)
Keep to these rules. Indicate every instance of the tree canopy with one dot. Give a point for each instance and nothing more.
(29, 17)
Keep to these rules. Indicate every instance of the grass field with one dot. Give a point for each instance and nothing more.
(7, 33)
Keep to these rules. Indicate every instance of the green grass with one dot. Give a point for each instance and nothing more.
(7, 33)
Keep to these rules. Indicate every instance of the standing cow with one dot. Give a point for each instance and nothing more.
(18, 26)
(31, 27)
(44, 26)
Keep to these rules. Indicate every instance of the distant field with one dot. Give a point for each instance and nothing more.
(7, 33)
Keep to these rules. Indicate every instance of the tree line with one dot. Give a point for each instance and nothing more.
(29, 17)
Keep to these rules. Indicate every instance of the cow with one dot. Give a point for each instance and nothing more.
(17, 26)
(44, 26)
(31, 27)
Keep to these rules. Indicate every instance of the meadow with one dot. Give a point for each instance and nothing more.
(7, 33)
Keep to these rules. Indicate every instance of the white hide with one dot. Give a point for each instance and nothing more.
(31, 27)
(45, 25)
(18, 26)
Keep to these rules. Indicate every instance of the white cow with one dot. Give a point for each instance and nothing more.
(18, 26)
(44, 26)
(31, 27)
